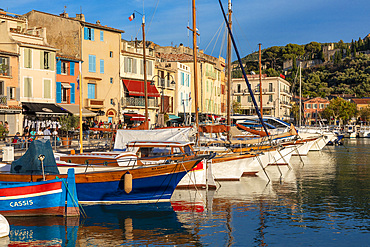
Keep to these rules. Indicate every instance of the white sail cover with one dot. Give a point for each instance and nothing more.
(171, 134)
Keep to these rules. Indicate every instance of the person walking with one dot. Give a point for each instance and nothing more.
(47, 133)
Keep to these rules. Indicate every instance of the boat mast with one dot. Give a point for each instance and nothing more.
(80, 107)
(300, 95)
(260, 66)
(195, 71)
(145, 79)
(229, 76)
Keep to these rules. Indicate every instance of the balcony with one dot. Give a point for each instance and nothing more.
(139, 102)
(95, 103)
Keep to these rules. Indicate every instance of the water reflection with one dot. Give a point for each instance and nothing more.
(326, 197)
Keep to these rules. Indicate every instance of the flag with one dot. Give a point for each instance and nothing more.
(78, 83)
(190, 96)
(132, 17)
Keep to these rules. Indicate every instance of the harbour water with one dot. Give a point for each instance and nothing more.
(322, 200)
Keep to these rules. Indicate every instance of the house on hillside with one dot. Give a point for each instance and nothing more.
(313, 108)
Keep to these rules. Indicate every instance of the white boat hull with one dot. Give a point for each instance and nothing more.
(199, 177)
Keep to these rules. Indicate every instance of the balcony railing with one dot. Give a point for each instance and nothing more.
(133, 101)
(3, 100)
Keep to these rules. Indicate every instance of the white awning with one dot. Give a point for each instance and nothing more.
(66, 85)
(75, 110)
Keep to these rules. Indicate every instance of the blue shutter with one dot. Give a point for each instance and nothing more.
(92, 34)
(72, 93)
(92, 63)
(101, 36)
(59, 92)
(72, 68)
(86, 33)
(91, 91)
(101, 66)
(59, 67)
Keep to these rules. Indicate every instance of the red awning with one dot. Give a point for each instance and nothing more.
(136, 88)
(135, 116)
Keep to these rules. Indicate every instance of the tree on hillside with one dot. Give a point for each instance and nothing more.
(292, 49)
(272, 55)
(271, 72)
(340, 109)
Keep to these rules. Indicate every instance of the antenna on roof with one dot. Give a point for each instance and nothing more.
(80, 9)
(64, 8)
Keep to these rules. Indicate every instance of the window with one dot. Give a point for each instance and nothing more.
(239, 88)
(89, 33)
(64, 68)
(111, 54)
(249, 98)
(314, 106)
(101, 66)
(188, 76)
(2, 84)
(238, 98)
(271, 98)
(47, 89)
(27, 58)
(101, 35)
(91, 90)
(27, 87)
(127, 65)
(64, 95)
(270, 87)
(111, 80)
(92, 63)
(4, 66)
(308, 106)
(11, 93)
(182, 79)
(47, 60)
(321, 106)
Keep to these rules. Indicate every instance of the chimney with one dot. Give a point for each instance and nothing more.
(80, 17)
(98, 22)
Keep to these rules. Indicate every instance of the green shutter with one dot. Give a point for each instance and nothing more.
(42, 60)
(27, 87)
(47, 89)
(26, 57)
(51, 61)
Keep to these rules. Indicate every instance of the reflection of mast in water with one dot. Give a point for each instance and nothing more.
(261, 234)
(228, 225)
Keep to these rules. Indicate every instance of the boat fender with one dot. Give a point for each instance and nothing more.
(4, 227)
(73, 151)
(128, 182)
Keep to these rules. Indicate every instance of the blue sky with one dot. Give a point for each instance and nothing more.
(269, 22)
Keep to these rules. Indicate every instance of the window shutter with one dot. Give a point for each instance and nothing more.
(101, 36)
(92, 34)
(27, 87)
(101, 66)
(72, 93)
(47, 89)
(59, 67)
(71, 68)
(134, 66)
(94, 64)
(26, 58)
(141, 67)
(51, 61)
(86, 33)
(8, 93)
(125, 65)
(150, 70)
(59, 92)
(18, 94)
(42, 60)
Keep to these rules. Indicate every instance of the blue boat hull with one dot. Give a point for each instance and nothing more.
(149, 189)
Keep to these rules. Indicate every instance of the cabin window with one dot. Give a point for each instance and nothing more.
(177, 150)
(188, 151)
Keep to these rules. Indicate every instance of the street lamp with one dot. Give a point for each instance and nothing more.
(118, 104)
